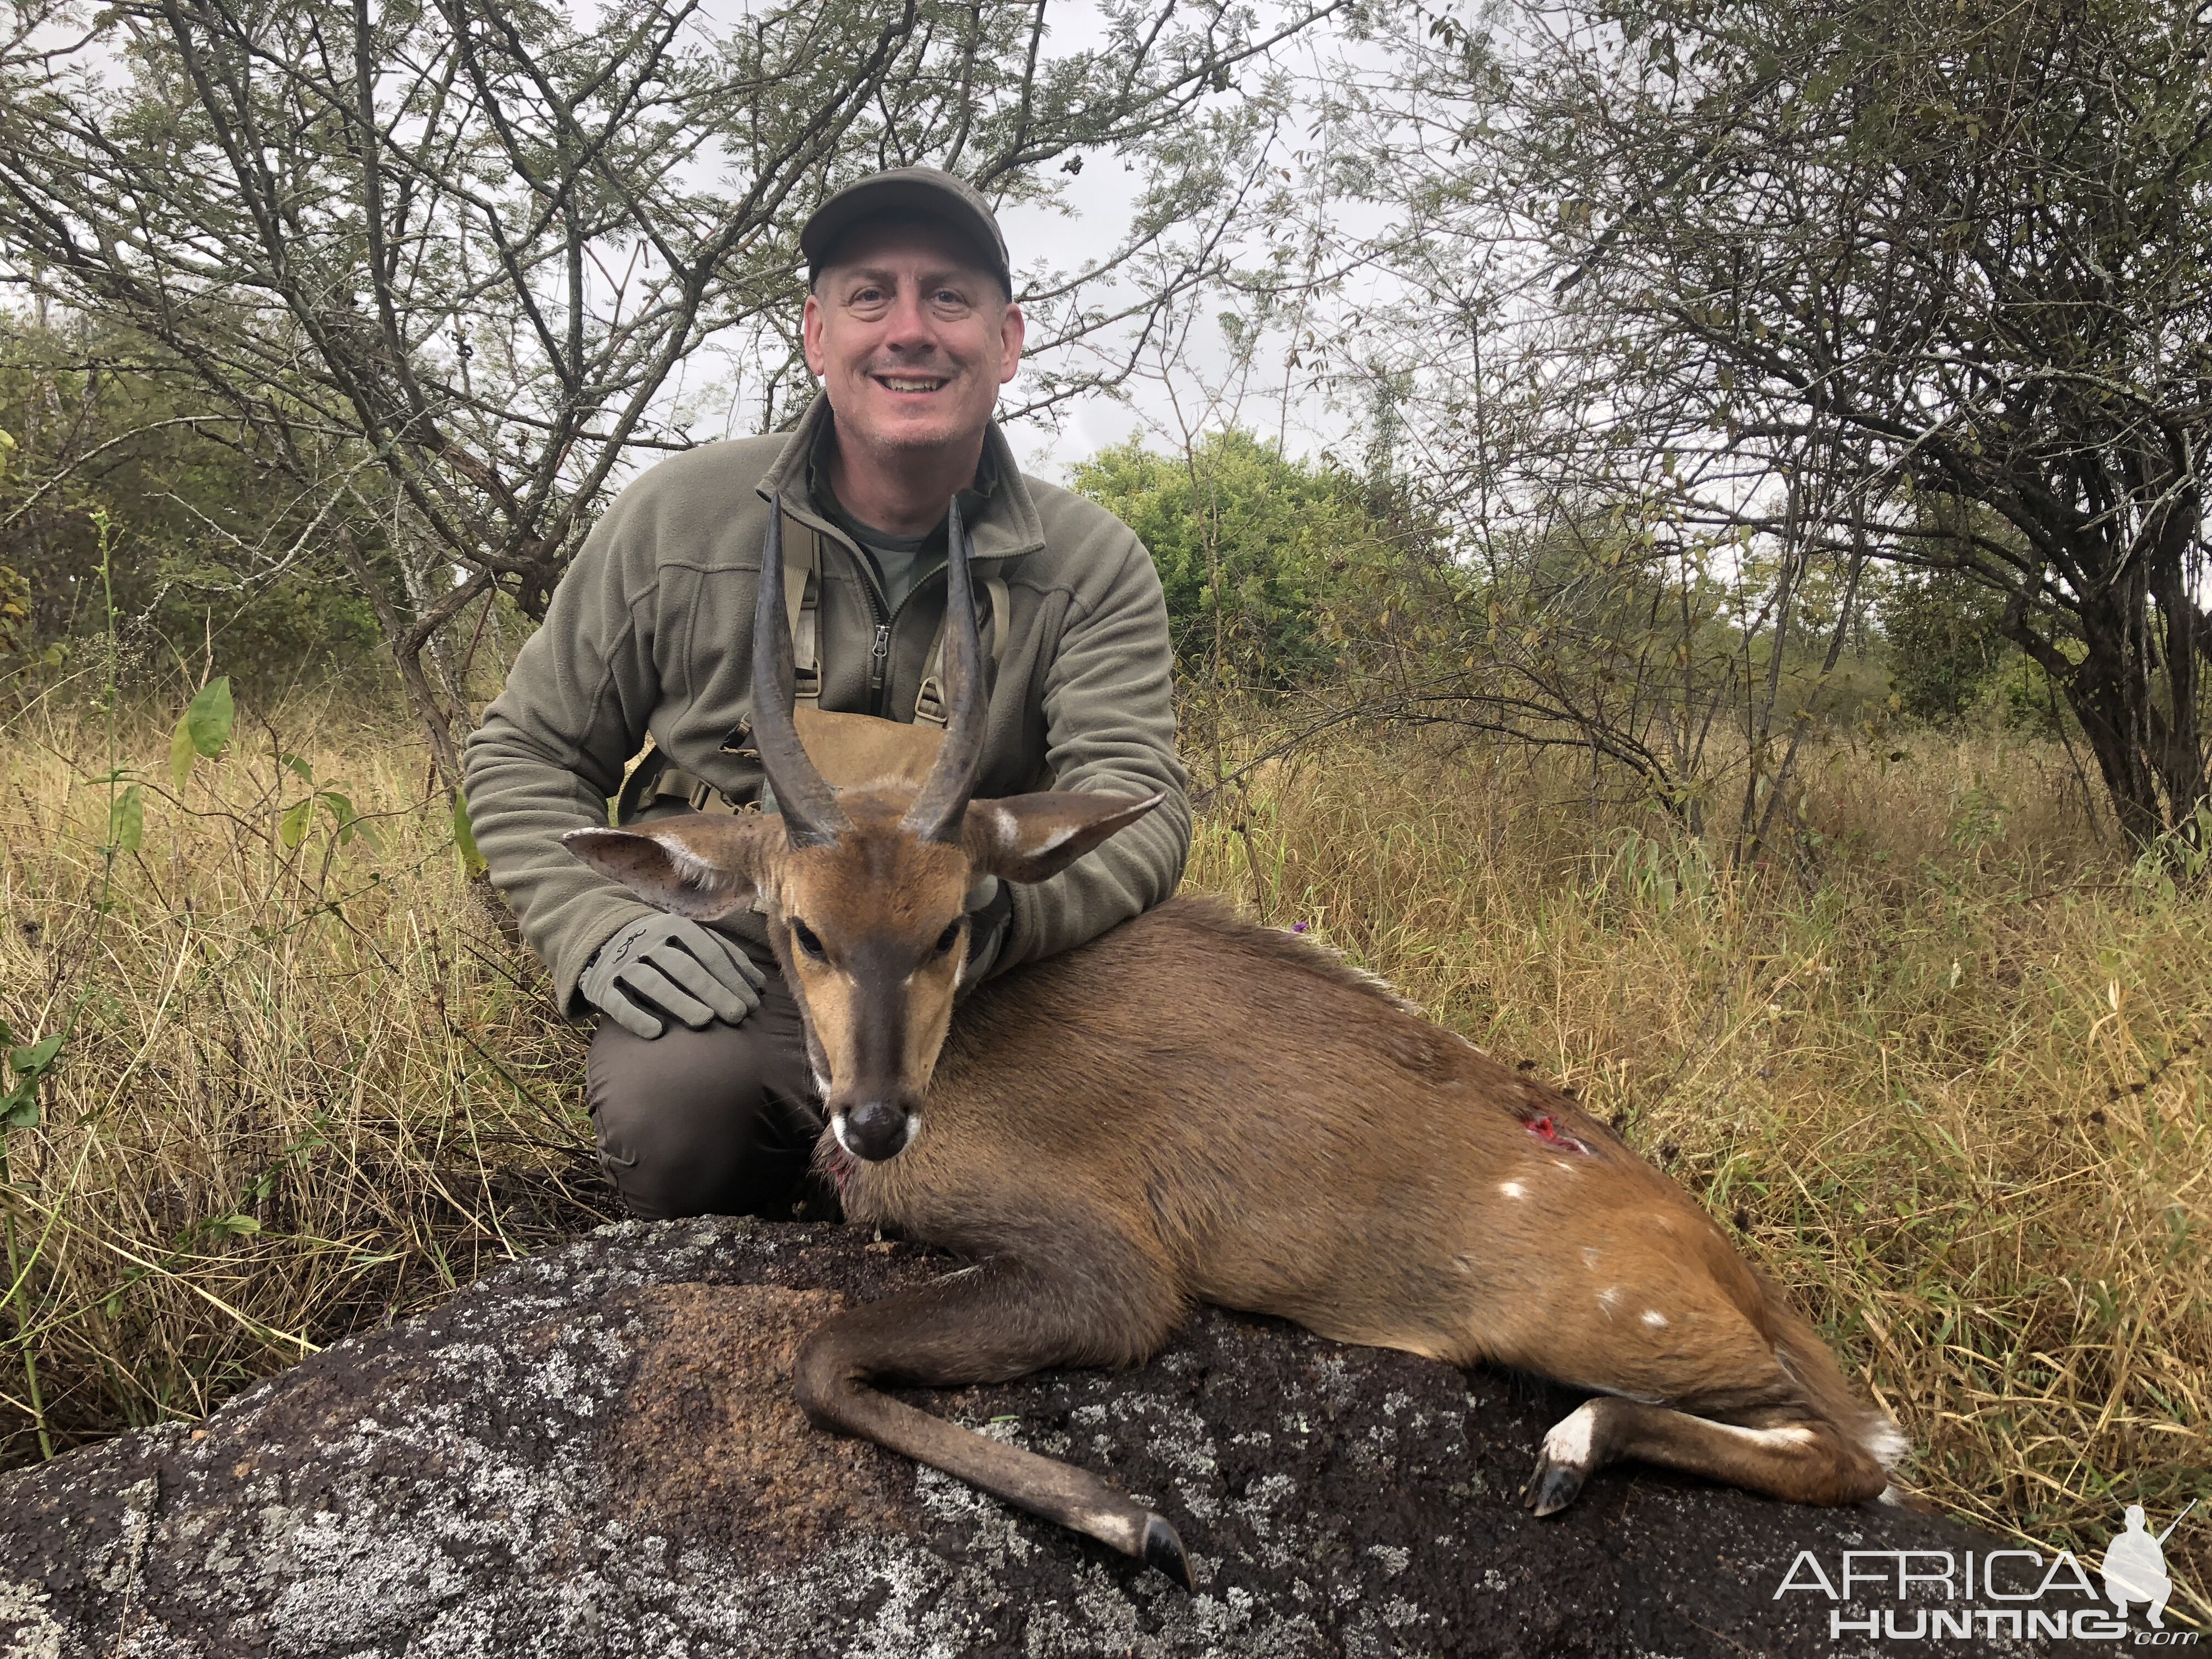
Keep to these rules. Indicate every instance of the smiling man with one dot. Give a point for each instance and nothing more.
(698, 1083)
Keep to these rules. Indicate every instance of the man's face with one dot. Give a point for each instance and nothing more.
(911, 337)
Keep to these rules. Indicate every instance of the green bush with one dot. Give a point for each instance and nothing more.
(1253, 548)
(214, 557)
(1945, 649)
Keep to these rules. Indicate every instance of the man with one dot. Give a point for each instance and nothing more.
(697, 1080)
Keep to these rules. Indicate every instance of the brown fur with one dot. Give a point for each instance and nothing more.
(1194, 1108)
(1190, 1108)
(877, 1009)
(1265, 1128)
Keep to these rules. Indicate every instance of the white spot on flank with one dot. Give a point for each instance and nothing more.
(1609, 1297)
(1572, 1436)
(1590, 1258)
(1513, 1189)
(1655, 1319)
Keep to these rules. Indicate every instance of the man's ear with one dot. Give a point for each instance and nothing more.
(1031, 837)
(705, 866)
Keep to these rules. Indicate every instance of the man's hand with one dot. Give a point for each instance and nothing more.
(674, 966)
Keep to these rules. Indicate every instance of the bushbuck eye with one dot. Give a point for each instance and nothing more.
(808, 941)
(948, 938)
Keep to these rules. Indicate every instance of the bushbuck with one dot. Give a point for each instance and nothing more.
(1195, 1108)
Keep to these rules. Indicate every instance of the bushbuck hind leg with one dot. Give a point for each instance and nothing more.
(1714, 1374)
(1800, 1459)
(992, 1324)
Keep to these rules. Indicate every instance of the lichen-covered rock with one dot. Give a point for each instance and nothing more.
(595, 1454)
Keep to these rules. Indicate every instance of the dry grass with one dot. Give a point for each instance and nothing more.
(1955, 1092)
(303, 1090)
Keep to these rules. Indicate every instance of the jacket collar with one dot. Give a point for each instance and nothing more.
(1007, 526)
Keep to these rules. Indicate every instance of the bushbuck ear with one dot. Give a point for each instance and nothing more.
(1031, 837)
(704, 866)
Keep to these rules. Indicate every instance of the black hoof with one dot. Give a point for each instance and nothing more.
(1163, 1550)
(1553, 1486)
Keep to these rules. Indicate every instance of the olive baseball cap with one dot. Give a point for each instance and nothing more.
(919, 192)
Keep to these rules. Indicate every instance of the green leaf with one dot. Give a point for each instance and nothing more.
(19, 1107)
(126, 820)
(236, 1225)
(349, 820)
(32, 1060)
(209, 717)
(299, 768)
(465, 838)
(181, 752)
(292, 827)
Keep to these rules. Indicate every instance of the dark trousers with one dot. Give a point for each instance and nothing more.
(721, 1121)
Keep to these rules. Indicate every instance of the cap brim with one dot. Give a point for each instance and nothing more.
(874, 198)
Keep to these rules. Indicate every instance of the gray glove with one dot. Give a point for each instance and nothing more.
(671, 965)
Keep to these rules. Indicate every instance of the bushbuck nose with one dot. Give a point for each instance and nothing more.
(876, 1130)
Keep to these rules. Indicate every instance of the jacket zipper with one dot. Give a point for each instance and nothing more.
(883, 638)
(879, 650)
(879, 659)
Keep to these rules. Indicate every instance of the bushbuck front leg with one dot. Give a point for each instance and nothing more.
(993, 1323)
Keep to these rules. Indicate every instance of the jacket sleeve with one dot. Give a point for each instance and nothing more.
(1109, 727)
(552, 747)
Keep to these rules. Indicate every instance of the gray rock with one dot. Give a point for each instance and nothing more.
(595, 1453)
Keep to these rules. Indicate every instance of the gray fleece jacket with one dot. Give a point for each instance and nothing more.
(650, 633)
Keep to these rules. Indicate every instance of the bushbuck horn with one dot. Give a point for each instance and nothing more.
(812, 816)
(941, 803)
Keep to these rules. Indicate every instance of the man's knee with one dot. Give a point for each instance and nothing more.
(699, 1122)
